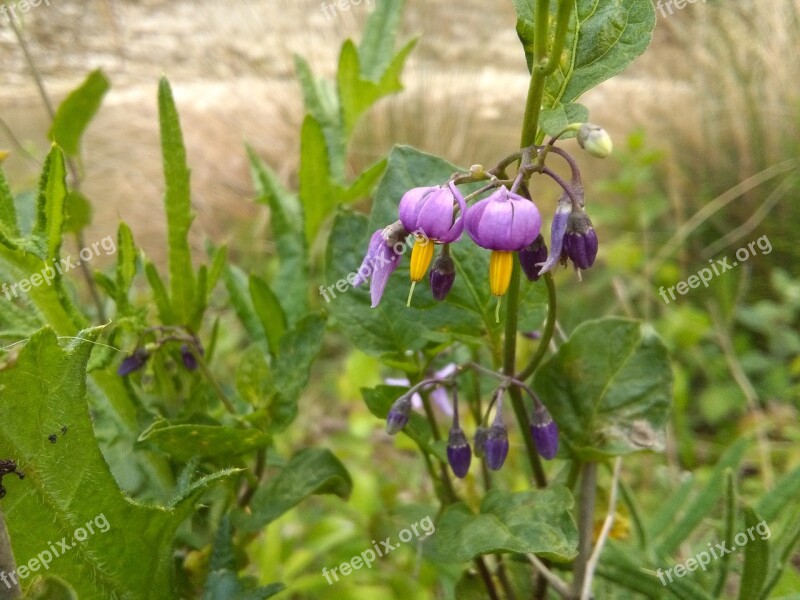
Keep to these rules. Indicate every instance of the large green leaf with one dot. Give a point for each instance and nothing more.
(608, 388)
(311, 471)
(47, 429)
(77, 110)
(177, 201)
(603, 38)
(533, 521)
(186, 441)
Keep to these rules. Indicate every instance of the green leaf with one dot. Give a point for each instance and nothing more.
(239, 294)
(311, 471)
(50, 204)
(160, 294)
(318, 195)
(554, 120)
(77, 212)
(223, 582)
(603, 38)
(8, 211)
(781, 497)
(269, 312)
(50, 588)
(364, 183)
(609, 388)
(126, 266)
(356, 93)
(187, 441)
(534, 521)
(254, 378)
(286, 221)
(177, 202)
(77, 110)
(380, 34)
(68, 486)
(756, 559)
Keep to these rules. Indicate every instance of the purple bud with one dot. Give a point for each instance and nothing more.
(134, 362)
(496, 446)
(503, 221)
(532, 257)
(430, 210)
(544, 432)
(580, 241)
(479, 440)
(459, 454)
(188, 358)
(398, 415)
(442, 276)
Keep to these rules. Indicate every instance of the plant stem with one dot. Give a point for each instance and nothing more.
(547, 334)
(486, 575)
(585, 526)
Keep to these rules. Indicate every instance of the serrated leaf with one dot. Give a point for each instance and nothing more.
(310, 472)
(186, 441)
(177, 202)
(608, 388)
(48, 229)
(76, 112)
(68, 485)
(380, 34)
(535, 521)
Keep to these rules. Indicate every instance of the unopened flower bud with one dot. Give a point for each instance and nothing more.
(134, 362)
(496, 446)
(459, 454)
(398, 414)
(580, 241)
(442, 276)
(532, 257)
(188, 358)
(544, 432)
(595, 140)
(479, 441)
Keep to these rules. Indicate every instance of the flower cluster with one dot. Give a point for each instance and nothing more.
(490, 441)
(505, 222)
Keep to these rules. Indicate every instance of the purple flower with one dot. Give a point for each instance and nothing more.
(381, 260)
(503, 221)
(544, 432)
(532, 257)
(557, 231)
(459, 454)
(442, 276)
(496, 446)
(134, 362)
(429, 212)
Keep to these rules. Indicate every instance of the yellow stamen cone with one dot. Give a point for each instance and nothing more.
(421, 256)
(500, 265)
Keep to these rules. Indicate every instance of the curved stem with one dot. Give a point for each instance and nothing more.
(547, 335)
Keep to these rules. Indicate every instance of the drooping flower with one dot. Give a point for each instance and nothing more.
(544, 431)
(496, 446)
(398, 414)
(459, 454)
(580, 240)
(134, 362)
(381, 260)
(504, 223)
(188, 358)
(430, 213)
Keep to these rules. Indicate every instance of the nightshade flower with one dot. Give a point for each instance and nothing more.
(430, 213)
(188, 358)
(532, 257)
(496, 446)
(398, 414)
(459, 454)
(134, 362)
(381, 260)
(504, 223)
(544, 432)
(580, 241)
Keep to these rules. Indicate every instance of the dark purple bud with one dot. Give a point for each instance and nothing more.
(479, 441)
(533, 257)
(442, 276)
(459, 454)
(580, 241)
(496, 446)
(544, 432)
(398, 415)
(532, 335)
(134, 362)
(188, 358)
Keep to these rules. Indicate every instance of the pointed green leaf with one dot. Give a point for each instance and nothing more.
(239, 294)
(177, 202)
(187, 441)
(160, 294)
(756, 558)
(317, 194)
(380, 33)
(50, 204)
(311, 471)
(77, 110)
(126, 266)
(269, 312)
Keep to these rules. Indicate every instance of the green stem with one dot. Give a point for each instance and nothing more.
(562, 24)
(547, 334)
(585, 525)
